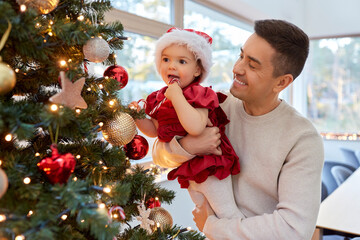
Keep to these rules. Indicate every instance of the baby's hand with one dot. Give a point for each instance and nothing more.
(173, 90)
(135, 106)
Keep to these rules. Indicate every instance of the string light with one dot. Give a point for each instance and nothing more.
(75, 179)
(106, 190)
(62, 63)
(8, 137)
(27, 180)
(101, 124)
(37, 154)
(20, 237)
(89, 89)
(17, 70)
(22, 8)
(78, 111)
(30, 213)
(102, 205)
(37, 25)
(54, 107)
(51, 22)
(78, 156)
(50, 34)
(64, 217)
(101, 86)
(2, 218)
(82, 220)
(112, 103)
(0, 162)
(81, 17)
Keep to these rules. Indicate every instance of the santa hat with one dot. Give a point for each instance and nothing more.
(197, 42)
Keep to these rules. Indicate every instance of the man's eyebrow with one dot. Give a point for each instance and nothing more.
(251, 58)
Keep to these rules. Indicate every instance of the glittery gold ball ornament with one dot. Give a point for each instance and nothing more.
(120, 130)
(161, 217)
(3, 182)
(7, 78)
(42, 6)
(96, 50)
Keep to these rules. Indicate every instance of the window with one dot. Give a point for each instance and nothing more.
(228, 36)
(158, 10)
(332, 77)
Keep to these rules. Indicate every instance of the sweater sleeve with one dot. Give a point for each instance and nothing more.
(170, 154)
(299, 193)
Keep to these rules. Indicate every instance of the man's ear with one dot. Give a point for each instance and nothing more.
(283, 82)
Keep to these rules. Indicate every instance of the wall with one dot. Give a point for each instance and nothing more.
(332, 17)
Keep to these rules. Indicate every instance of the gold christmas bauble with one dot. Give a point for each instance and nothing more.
(3, 182)
(42, 6)
(161, 218)
(96, 50)
(120, 130)
(7, 78)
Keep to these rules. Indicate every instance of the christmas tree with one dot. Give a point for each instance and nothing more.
(59, 179)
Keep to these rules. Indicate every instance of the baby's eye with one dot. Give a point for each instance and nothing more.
(182, 61)
(165, 59)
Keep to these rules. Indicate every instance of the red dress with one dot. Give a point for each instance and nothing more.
(200, 167)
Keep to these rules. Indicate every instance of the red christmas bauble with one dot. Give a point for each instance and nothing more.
(58, 167)
(153, 202)
(137, 148)
(118, 73)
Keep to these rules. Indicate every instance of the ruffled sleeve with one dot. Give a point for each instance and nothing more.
(201, 97)
(153, 100)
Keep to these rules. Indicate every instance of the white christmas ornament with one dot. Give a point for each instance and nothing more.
(146, 223)
(4, 183)
(96, 50)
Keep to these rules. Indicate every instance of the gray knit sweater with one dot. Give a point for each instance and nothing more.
(278, 189)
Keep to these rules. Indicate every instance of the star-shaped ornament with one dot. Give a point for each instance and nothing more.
(70, 94)
(146, 223)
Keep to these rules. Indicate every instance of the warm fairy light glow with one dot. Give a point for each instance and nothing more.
(17, 70)
(188, 228)
(106, 77)
(37, 154)
(27, 180)
(54, 107)
(156, 198)
(102, 205)
(101, 86)
(30, 213)
(69, 60)
(22, 8)
(115, 215)
(115, 56)
(78, 156)
(8, 137)
(341, 136)
(64, 217)
(20, 237)
(101, 124)
(157, 225)
(106, 190)
(81, 18)
(111, 103)
(62, 63)
(51, 22)
(2, 218)
(100, 162)
(50, 34)
(0, 162)
(89, 89)
(100, 37)
(82, 220)
(37, 25)
(105, 168)
(75, 179)
(78, 110)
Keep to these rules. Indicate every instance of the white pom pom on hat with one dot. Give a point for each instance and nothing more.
(197, 42)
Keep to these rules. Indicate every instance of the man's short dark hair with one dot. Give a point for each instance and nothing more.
(290, 43)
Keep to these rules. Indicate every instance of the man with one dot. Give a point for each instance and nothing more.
(281, 153)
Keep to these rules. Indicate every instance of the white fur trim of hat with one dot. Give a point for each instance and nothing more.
(197, 42)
